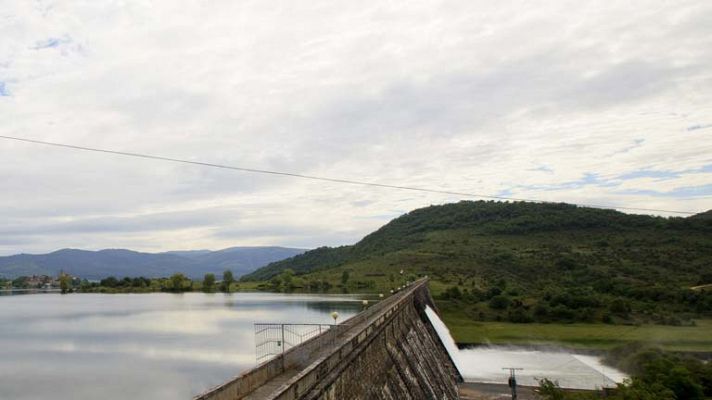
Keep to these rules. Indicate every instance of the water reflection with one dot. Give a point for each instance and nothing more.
(140, 346)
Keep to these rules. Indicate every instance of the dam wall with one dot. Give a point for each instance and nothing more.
(389, 351)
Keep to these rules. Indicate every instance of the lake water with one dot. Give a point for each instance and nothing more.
(140, 346)
(173, 346)
(485, 364)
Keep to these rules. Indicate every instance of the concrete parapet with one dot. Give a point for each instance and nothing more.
(389, 351)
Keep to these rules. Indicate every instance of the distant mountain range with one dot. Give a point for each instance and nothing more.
(120, 262)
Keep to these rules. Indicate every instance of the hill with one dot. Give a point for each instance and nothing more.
(705, 215)
(120, 262)
(526, 261)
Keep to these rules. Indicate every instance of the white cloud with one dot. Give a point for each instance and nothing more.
(469, 96)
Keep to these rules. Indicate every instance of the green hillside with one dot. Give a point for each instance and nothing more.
(524, 262)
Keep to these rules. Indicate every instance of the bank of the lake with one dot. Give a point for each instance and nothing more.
(11, 292)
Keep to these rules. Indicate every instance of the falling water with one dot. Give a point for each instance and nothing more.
(485, 363)
(445, 336)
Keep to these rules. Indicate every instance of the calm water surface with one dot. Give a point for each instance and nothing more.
(139, 346)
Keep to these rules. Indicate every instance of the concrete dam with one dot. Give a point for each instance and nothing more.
(389, 351)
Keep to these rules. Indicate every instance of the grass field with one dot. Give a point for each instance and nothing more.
(583, 336)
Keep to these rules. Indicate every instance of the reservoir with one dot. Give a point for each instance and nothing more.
(140, 346)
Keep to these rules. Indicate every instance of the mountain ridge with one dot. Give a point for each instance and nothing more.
(98, 264)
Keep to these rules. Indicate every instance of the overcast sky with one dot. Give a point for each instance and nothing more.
(574, 101)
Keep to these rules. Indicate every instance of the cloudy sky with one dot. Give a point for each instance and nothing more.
(575, 101)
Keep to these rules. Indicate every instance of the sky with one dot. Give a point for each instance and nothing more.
(573, 101)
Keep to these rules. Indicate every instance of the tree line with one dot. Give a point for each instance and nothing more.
(176, 283)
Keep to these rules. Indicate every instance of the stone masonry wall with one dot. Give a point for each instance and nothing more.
(390, 351)
(401, 361)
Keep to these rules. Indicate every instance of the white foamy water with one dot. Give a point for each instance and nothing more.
(485, 363)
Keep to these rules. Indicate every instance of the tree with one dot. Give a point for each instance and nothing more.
(109, 282)
(284, 280)
(227, 281)
(139, 282)
(499, 302)
(619, 307)
(84, 285)
(276, 282)
(493, 291)
(209, 282)
(65, 283)
(20, 282)
(453, 292)
(287, 276)
(550, 390)
(177, 282)
(344, 277)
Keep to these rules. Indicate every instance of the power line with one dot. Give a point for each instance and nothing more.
(321, 178)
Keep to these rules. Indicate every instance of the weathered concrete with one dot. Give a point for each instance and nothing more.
(390, 351)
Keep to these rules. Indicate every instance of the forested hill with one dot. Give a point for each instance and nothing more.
(704, 215)
(527, 254)
(480, 219)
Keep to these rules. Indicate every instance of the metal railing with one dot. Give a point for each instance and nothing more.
(274, 339)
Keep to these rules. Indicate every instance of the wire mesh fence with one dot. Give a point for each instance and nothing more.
(274, 339)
